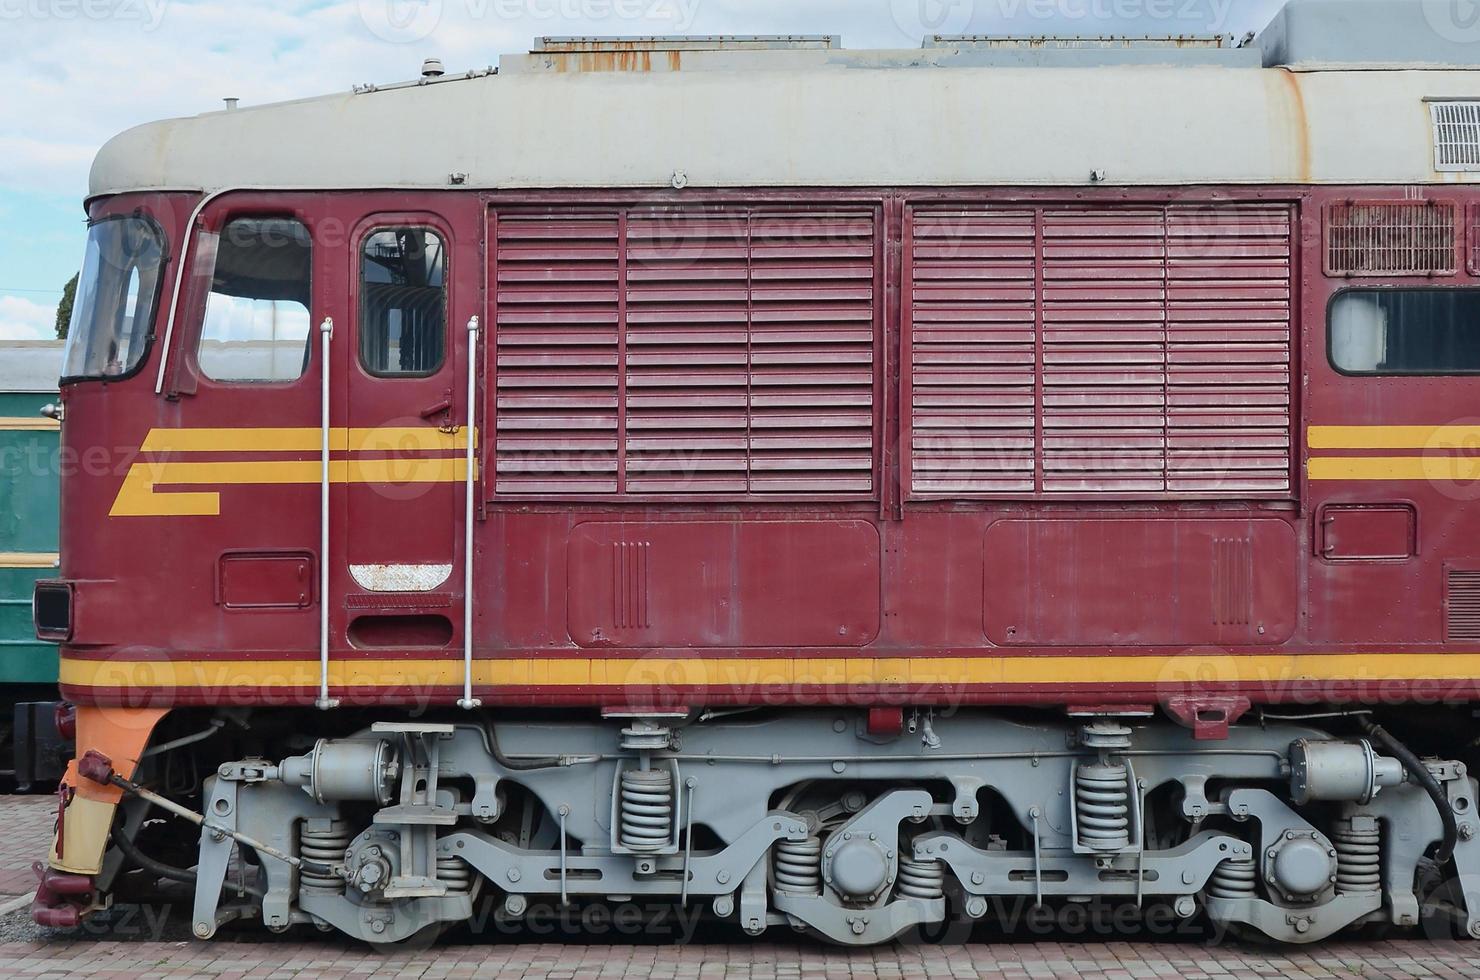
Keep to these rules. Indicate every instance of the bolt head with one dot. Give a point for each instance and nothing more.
(513, 874)
(202, 930)
(723, 877)
(977, 877)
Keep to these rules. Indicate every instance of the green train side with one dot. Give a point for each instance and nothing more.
(29, 474)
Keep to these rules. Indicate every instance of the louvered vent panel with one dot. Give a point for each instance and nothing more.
(687, 378)
(1456, 136)
(973, 351)
(811, 353)
(1163, 365)
(556, 346)
(720, 353)
(1400, 238)
(1104, 350)
(1462, 606)
(1228, 349)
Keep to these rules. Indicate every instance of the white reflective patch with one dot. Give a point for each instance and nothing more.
(400, 578)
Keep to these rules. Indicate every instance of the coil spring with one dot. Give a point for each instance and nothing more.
(1358, 859)
(326, 847)
(456, 874)
(797, 866)
(1233, 879)
(1103, 806)
(921, 879)
(647, 809)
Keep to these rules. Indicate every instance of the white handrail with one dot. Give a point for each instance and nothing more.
(468, 701)
(326, 330)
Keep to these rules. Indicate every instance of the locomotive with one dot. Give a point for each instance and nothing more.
(29, 469)
(833, 489)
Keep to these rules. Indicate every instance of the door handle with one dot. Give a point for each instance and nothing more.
(441, 408)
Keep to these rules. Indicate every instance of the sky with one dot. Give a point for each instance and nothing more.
(75, 72)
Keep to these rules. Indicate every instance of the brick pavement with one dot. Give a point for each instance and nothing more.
(116, 952)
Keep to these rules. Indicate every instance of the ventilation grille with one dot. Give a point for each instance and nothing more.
(1146, 352)
(1462, 607)
(719, 353)
(1390, 239)
(1456, 136)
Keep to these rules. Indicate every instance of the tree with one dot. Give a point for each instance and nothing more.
(64, 308)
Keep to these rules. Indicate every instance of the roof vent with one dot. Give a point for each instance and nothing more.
(1390, 238)
(1456, 136)
(432, 68)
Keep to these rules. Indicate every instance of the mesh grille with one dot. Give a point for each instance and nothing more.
(1462, 607)
(1456, 136)
(1390, 239)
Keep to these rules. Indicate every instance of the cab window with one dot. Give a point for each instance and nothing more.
(256, 326)
(1406, 331)
(403, 302)
(117, 296)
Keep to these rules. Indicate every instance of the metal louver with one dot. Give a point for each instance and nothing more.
(1118, 351)
(725, 352)
(1456, 136)
(1390, 238)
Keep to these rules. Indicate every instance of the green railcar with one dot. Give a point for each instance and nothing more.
(29, 471)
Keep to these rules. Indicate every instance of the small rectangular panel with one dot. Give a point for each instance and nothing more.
(265, 580)
(785, 584)
(1140, 582)
(1377, 532)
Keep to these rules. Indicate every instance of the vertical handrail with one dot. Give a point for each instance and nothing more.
(467, 701)
(326, 330)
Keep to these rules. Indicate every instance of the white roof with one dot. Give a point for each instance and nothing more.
(30, 365)
(805, 113)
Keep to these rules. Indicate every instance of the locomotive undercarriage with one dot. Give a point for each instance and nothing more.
(819, 821)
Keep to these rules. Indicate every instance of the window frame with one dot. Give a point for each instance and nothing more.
(165, 258)
(1388, 288)
(199, 299)
(412, 221)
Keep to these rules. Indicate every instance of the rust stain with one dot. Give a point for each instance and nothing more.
(620, 59)
(1299, 123)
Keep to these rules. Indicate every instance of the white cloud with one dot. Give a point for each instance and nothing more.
(24, 319)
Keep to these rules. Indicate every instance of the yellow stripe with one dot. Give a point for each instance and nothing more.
(1437, 469)
(1435, 437)
(764, 672)
(29, 425)
(138, 497)
(424, 438)
(27, 559)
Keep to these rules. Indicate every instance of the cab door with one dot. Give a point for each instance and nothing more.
(403, 420)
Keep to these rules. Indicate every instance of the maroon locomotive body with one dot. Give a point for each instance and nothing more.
(745, 505)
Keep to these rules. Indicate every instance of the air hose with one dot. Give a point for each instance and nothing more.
(1421, 775)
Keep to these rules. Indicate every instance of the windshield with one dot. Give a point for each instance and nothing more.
(113, 315)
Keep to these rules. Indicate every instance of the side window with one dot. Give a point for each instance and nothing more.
(1406, 331)
(257, 318)
(403, 302)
